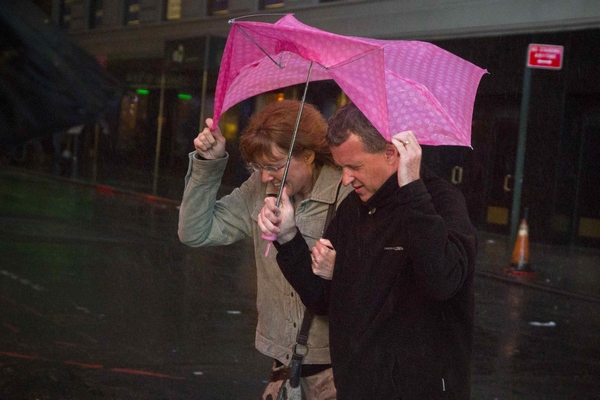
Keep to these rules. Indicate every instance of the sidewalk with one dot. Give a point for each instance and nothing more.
(567, 271)
(573, 272)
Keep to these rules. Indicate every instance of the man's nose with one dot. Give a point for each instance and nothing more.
(347, 177)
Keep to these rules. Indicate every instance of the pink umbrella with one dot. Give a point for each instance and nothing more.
(398, 85)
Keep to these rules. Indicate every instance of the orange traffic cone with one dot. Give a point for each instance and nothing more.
(519, 261)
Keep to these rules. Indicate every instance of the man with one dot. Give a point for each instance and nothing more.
(400, 302)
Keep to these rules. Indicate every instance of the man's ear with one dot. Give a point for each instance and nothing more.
(391, 153)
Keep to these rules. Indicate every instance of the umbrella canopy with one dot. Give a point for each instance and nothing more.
(398, 85)
(47, 82)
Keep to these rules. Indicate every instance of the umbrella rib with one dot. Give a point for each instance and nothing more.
(259, 46)
(434, 101)
(281, 66)
(232, 20)
(353, 59)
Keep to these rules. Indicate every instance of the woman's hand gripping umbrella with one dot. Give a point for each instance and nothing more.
(210, 143)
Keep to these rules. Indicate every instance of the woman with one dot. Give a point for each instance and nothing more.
(313, 184)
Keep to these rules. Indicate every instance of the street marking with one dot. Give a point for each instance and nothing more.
(23, 281)
(94, 366)
(84, 365)
(67, 344)
(19, 355)
(139, 372)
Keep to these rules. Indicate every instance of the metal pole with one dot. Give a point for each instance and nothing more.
(96, 143)
(575, 212)
(159, 132)
(204, 80)
(273, 237)
(289, 158)
(517, 191)
(75, 156)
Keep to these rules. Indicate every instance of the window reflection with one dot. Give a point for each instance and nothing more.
(132, 12)
(96, 13)
(217, 7)
(172, 10)
(266, 4)
(65, 14)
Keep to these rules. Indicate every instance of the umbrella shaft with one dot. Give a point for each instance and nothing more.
(287, 164)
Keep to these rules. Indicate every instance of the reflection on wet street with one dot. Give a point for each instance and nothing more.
(532, 344)
(100, 300)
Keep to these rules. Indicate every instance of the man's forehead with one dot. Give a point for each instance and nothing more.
(348, 153)
(354, 143)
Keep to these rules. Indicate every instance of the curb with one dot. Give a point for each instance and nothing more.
(537, 286)
(98, 186)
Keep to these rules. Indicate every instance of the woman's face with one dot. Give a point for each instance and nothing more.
(299, 179)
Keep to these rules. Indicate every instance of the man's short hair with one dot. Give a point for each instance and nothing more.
(350, 120)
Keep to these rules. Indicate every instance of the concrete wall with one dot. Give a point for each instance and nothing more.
(388, 19)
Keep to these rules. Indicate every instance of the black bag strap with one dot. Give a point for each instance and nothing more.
(300, 349)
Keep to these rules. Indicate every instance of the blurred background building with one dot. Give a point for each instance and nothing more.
(166, 53)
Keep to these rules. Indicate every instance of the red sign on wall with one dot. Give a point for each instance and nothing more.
(545, 56)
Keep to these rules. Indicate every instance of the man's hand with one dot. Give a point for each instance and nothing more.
(210, 144)
(280, 220)
(323, 258)
(410, 154)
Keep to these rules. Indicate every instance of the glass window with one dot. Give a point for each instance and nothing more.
(132, 12)
(96, 13)
(271, 3)
(217, 7)
(65, 14)
(172, 10)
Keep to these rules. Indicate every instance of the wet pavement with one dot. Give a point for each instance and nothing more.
(100, 300)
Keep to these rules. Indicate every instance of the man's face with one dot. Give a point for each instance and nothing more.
(366, 172)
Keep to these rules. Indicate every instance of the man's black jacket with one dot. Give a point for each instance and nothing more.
(400, 302)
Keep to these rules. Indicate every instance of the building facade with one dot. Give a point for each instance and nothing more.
(167, 53)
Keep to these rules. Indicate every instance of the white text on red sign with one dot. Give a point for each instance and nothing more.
(545, 56)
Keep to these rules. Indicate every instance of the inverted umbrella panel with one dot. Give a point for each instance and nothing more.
(398, 85)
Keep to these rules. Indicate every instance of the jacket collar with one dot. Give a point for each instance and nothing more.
(385, 194)
(321, 192)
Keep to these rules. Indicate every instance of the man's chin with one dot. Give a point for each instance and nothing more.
(362, 194)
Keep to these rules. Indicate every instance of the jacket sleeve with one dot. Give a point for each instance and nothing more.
(442, 243)
(294, 261)
(204, 221)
